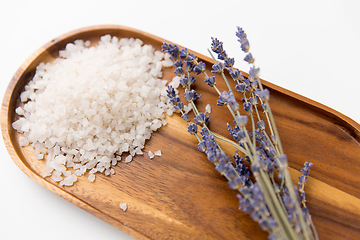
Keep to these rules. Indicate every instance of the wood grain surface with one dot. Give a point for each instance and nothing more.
(180, 195)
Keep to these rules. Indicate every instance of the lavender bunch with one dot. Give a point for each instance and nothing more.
(268, 196)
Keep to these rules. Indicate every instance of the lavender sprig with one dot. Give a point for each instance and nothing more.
(273, 205)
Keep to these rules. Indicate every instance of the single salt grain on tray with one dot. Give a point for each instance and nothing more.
(91, 104)
(208, 109)
(123, 206)
(128, 159)
(157, 153)
(151, 155)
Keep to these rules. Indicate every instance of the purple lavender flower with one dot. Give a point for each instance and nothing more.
(191, 95)
(192, 128)
(229, 62)
(240, 33)
(224, 164)
(210, 81)
(170, 91)
(242, 170)
(238, 135)
(178, 63)
(201, 119)
(199, 68)
(241, 87)
(189, 66)
(202, 146)
(241, 120)
(183, 53)
(228, 98)
(249, 58)
(179, 71)
(264, 94)
(184, 80)
(235, 74)
(214, 155)
(217, 67)
(191, 58)
(172, 49)
(178, 106)
(254, 73)
(208, 139)
(244, 204)
(174, 100)
(253, 100)
(245, 46)
(248, 107)
(305, 171)
(261, 124)
(185, 117)
(216, 45)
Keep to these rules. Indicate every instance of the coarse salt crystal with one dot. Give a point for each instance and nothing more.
(208, 109)
(151, 155)
(91, 177)
(23, 141)
(128, 159)
(123, 206)
(158, 153)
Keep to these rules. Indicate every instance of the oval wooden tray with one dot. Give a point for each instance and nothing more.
(180, 195)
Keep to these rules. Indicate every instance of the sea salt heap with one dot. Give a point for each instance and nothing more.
(92, 104)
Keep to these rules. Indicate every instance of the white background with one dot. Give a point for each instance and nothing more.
(309, 47)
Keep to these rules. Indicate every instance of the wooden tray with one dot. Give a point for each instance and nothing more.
(180, 195)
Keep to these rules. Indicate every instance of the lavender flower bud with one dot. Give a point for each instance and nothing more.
(179, 71)
(201, 119)
(248, 107)
(249, 58)
(192, 129)
(183, 53)
(191, 95)
(235, 74)
(185, 117)
(217, 67)
(229, 62)
(172, 49)
(240, 87)
(283, 160)
(202, 146)
(264, 95)
(178, 63)
(199, 68)
(261, 124)
(210, 81)
(241, 120)
(216, 45)
(170, 91)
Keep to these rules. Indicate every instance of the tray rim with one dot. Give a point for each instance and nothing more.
(5, 126)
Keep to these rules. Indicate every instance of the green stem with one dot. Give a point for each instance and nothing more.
(275, 207)
(291, 190)
(243, 150)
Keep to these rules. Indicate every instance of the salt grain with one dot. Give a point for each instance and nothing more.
(91, 177)
(208, 109)
(157, 153)
(151, 155)
(123, 206)
(23, 141)
(128, 159)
